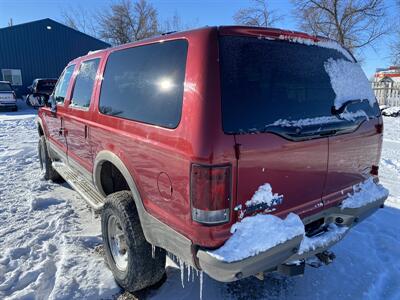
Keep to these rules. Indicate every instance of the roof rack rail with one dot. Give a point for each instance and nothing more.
(169, 32)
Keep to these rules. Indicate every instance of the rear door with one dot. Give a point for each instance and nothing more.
(77, 121)
(55, 121)
(354, 156)
(276, 101)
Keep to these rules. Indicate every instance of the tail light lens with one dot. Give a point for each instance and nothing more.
(210, 193)
(374, 170)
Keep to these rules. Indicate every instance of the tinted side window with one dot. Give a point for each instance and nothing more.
(145, 83)
(84, 83)
(62, 85)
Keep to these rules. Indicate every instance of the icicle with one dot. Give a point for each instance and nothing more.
(182, 267)
(189, 267)
(193, 275)
(153, 251)
(201, 285)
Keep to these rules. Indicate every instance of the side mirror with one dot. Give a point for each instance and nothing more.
(53, 105)
(48, 101)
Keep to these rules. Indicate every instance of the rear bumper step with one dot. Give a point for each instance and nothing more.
(283, 256)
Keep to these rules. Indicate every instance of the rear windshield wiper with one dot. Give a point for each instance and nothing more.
(338, 111)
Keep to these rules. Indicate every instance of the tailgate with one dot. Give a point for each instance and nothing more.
(295, 170)
(352, 158)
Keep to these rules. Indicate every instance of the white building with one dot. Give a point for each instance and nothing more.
(386, 85)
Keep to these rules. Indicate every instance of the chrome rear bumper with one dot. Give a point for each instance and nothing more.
(287, 252)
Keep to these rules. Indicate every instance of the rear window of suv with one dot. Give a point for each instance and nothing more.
(267, 81)
(146, 83)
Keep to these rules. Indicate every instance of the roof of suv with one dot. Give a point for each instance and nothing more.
(266, 32)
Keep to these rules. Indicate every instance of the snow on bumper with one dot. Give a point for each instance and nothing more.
(249, 251)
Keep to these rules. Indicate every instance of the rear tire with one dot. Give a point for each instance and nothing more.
(45, 161)
(127, 252)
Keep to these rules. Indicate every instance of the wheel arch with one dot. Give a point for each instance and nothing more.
(156, 232)
(108, 156)
(40, 127)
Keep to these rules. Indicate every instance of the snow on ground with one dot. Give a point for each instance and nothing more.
(48, 239)
(47, 235)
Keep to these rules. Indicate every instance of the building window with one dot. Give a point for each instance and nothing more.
(13, 76)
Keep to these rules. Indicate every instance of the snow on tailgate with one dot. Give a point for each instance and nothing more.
(257, 234)
(364, 193)
(333, 234)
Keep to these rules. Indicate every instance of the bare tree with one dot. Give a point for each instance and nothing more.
(128, 21)
(353, 23)
(80, 19)
(257, 15)
(396, 44)
(175, 24)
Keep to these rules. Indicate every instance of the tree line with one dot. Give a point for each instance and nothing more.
(355, 24)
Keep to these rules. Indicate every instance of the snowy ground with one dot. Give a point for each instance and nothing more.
(48, 239)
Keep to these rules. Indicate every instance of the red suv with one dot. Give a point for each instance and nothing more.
(185, 139)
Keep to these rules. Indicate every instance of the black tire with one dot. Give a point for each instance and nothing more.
(27, 100)
(45, 162)
(142, 269)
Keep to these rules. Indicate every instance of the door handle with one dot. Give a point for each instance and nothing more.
(62, 131)
(86, 131)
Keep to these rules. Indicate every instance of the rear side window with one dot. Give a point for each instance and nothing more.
(146, 83)
(61, 89)
(267, 81)
(84, 83)
(46, 85)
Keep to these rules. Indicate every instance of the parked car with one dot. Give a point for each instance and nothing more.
(393, 111)
(171, 137)
(8, 99)
(40, 91)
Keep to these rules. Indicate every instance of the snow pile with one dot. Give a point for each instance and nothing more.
(364, 193)
(391, 111)
(332, 235)
(43, 203)
(348, 82)
(264, 195)
(257, 234)
(330, 44)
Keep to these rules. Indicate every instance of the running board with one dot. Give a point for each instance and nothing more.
(80, 184)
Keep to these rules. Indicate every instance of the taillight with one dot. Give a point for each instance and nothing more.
(14, 95)
(210, 193)
(374, 170)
